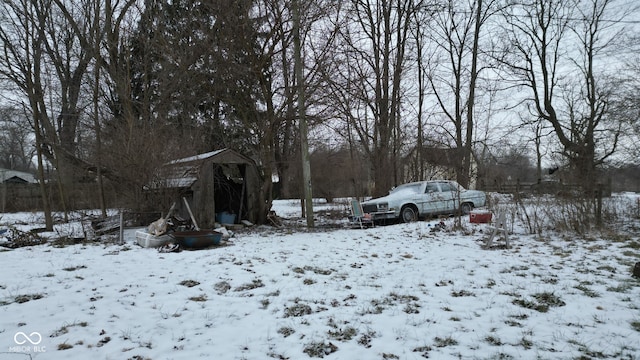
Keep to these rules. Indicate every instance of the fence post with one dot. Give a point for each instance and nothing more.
(599, 204)
(3, 197)
(121, 227)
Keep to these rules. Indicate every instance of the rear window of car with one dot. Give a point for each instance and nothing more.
(448, 187)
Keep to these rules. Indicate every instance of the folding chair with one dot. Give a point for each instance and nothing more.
(358, 216)
(500, 226)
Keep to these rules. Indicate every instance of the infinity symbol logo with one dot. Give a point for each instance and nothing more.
(34, 338)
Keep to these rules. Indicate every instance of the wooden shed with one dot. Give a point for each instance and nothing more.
(218, 183)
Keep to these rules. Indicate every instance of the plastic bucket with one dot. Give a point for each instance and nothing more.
(226, 218)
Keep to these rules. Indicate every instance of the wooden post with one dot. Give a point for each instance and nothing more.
(121, 234)
(3, 197)
(195, 224)
(244, 186)
(304, 142)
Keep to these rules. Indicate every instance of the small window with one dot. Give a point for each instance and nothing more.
(431, 188)
(447, 187)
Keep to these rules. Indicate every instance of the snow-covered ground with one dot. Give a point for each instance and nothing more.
(405, 291)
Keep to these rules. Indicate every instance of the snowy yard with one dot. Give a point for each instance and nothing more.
(401, 291)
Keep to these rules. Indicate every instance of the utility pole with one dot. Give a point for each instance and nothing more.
(304, 141)
(96, 119)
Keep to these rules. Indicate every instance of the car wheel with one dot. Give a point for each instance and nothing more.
(466, 208)
(409, 214)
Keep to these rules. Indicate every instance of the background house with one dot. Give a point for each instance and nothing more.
(18, 191)
(16, 177)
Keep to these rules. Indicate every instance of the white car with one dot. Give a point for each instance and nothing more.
(409, 202)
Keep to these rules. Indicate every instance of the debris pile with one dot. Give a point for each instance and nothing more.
(13, 238)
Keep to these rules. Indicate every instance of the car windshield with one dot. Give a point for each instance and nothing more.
(407, 189)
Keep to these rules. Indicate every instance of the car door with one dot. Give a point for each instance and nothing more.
(449, 193)
(420, 198)
(432, 199)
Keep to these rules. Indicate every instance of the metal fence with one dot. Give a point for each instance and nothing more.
(28, 197)
(553, 188)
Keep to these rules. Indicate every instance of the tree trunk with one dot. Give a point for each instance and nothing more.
(467, 154)
(46, 205)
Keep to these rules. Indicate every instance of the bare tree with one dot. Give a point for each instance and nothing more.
(274, 137)
(627, 105)
(373, 63)
(454, 76)
(559, 53)
(65, 49)
(23, 37)
(16, 147)
(423, 16)
(136, 135)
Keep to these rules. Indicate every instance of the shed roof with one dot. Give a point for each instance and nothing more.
(222, 156)
(183, 173)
